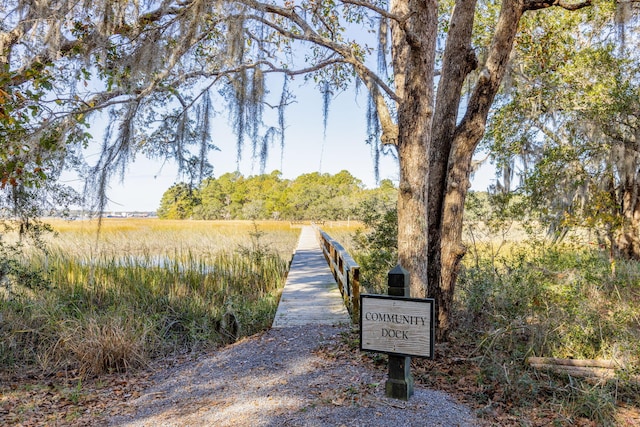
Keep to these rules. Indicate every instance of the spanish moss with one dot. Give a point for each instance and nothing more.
(383, 37)
(255, 106)
(265, 142)
(284, 97)
(238, 109)
(326, 101)
(204, 126)
(373, 135)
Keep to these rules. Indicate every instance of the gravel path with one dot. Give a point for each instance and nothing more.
(294, 376)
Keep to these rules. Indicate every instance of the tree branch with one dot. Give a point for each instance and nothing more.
(543, 4)
(382, 12)
(86, 43)
(373, 82)
(472, 126)
(310, 35)
(457, 62)
(271, 68)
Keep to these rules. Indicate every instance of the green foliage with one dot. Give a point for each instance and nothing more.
(232, 196)
(568, 117)
(16, 239)
(178, 202)
(257, 250)
(36, 132)
(376, 246)
(562, 295)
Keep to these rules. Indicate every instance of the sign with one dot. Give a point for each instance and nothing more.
(397, 325)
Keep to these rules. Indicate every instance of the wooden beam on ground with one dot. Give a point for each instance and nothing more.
(591, 369)
(595, 363)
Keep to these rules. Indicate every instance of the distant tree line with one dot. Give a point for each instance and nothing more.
(313, 196)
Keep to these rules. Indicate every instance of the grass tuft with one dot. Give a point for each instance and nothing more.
(98, 344)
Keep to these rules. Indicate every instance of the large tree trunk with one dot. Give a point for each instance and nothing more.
(458, 61)
(626, 242)
(452, 248)
(463, 142)
(412, 216)
(414, 55)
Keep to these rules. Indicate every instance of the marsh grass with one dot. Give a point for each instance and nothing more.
(342, 230)
(153, 237)
(143, 289)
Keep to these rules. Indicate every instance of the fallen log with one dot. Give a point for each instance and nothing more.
(595, 363)
(591, 369)
(578, 371)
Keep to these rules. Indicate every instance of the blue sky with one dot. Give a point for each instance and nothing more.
(306, 150)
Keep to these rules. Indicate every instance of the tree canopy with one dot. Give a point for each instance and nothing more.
(312, 196)
(570, 125)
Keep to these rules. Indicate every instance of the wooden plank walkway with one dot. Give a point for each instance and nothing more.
(310, 294)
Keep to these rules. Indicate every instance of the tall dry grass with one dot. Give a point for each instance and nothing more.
(153, 237)
(142, 288)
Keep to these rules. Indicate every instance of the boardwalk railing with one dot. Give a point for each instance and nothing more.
(345, 270)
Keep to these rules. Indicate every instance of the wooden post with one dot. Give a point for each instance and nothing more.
(400, 382)
(355, 298)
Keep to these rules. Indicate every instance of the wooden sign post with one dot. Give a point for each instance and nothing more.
(399, 326)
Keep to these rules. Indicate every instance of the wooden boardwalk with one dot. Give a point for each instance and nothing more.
(310, 294)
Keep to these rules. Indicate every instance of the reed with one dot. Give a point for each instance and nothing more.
(141, 290)
(152, 236)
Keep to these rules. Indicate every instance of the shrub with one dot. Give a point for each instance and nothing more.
(376, 247)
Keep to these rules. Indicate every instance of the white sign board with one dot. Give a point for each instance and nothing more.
(397, 325)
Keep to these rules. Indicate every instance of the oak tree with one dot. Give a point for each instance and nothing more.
(572, 123)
